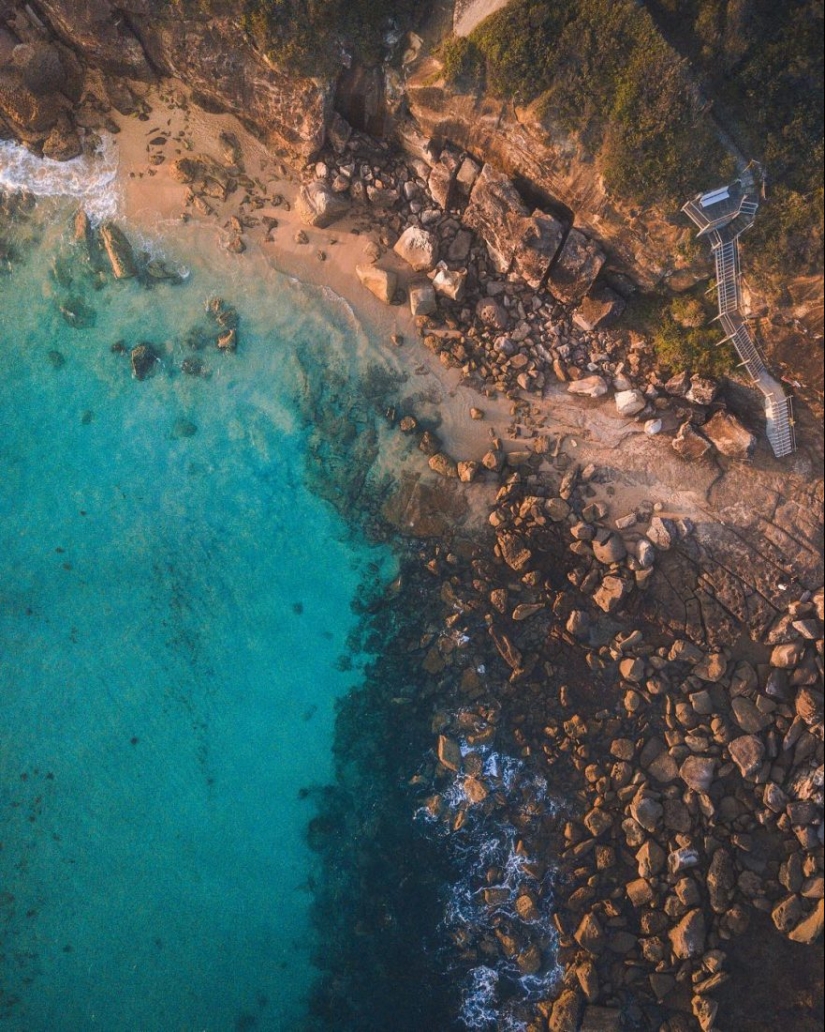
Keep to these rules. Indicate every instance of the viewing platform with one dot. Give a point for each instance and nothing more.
(722, 215)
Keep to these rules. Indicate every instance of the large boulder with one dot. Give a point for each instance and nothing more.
(450, 282)
(689, 443)
(119, 251)
(589, 386)
(599, 310)
(515, 238)
(578, 264)
(537, 240)
(630, 403)
(40, 67)
(418, 248)
(729, 436)
(422, 299)
(381, 282)
(320, 206)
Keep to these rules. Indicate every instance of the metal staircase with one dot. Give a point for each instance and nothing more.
(723, 215)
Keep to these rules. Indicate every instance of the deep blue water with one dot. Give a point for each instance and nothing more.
(174, 603)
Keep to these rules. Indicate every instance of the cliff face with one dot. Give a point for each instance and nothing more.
(141, 39)
(553, 169)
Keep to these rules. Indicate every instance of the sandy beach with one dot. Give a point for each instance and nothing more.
(588, 431)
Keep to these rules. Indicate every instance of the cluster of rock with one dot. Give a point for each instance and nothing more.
(697, 774)
(40, 82)
(511, 297)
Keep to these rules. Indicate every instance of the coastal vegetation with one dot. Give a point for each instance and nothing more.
(643, 87)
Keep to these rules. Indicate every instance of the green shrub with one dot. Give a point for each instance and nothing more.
(463, 62)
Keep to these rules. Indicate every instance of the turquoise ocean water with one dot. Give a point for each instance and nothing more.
(174, 606)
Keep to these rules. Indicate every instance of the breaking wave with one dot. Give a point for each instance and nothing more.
(90, 178)
(501, 893)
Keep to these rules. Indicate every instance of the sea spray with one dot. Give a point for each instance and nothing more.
(90, 179)
(492, 873)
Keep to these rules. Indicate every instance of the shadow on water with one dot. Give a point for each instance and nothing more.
(378, 901)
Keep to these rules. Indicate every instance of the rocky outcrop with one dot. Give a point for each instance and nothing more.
(140, 39)
(526, 144)
(514, 236)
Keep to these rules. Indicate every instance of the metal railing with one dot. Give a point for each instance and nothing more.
(723, 235)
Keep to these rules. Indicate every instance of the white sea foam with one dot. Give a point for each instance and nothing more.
(90, 179)
(479, 1008)
(487, 839)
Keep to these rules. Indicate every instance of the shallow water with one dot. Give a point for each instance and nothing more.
(175, 603)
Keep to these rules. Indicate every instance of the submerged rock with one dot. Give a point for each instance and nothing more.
(144, 360)
(77, 313)
(119, 251)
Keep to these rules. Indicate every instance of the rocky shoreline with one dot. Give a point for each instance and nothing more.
(660, 670)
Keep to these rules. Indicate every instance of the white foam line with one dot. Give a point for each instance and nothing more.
(90, 179)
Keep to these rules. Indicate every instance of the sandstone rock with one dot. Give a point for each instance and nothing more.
(639, 892)
(698, 772)
(689, 443)
(63, 142)
(577, 266)
(678, 385)
(809, 705)
(467, 470)
(319, 205)
(747, 752)
(702, 391)
(449, 753)
(440, 184)
(590, 386)
(418, 248)
(630, 403)
(467, 174)
(40, 67)
(381, 282)
(809, 930)
(721, 880)
(662, 533)
(681, 860)
(458, 250)
(494, 212)
(525, 610)
(664, 768)
(474, 790)
(443, 465)
(610, 594)
(787, 913)
(450, 282)
(491, 314)
(422, 299)
(647, 812)
(597, 310)
(601, 1019)
(119, 251)
(611, 550)
(787, 656)
(687, 939)
(537, 239)
(728, 436)
(513, 550)
(653, 427)
(651, 859)
(712, 667)
(339, 132)
(590, 934)
(564, 1016)
(515, 238)
(748, 717)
